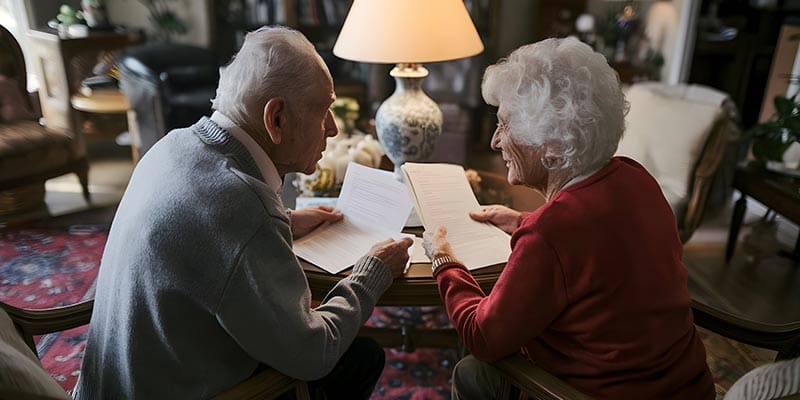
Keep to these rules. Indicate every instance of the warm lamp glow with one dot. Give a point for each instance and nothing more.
(407, 31)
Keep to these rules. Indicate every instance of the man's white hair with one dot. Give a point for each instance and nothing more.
(273, 62)
(561, 93)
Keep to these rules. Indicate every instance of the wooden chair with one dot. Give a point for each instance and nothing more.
(266, 384)
(685, 161)
(536, 382)
(783, 338)
(29, 153)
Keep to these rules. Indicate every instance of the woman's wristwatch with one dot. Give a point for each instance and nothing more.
(441, 260)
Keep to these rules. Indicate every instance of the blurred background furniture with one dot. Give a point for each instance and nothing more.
(108, 101)
(681, 134)
(779, 192)
(168, 86)
(30, 153)
(62, 63)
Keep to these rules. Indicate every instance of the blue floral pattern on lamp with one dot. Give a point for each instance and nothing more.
(408, 123)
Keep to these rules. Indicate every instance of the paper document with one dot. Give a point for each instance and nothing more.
(442, 196)
(375, 207)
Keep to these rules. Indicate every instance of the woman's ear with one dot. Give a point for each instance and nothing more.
(275, 118)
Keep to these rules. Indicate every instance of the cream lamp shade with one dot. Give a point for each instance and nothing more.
(407, 31)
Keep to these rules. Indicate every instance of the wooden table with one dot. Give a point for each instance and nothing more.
(779, 192)
(109, 101)
(418, 287)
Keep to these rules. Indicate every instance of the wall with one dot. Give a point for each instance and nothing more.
(41, 11)
(516, 25)
(195, 14)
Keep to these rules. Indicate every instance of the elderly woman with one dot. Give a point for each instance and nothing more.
(594, 290)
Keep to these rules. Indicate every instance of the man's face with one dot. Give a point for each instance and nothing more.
(311, 123)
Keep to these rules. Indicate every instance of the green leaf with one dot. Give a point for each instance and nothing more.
(783, 106)
(793, 126)
(769, 150)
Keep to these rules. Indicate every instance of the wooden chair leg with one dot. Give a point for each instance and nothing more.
(83, 177)
(302, 391)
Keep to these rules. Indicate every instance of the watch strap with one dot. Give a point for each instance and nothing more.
(440, 261)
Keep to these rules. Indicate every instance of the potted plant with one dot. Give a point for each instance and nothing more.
(772, 138)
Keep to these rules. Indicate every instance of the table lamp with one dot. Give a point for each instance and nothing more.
(407, 33)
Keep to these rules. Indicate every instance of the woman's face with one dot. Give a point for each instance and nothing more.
(522, 160)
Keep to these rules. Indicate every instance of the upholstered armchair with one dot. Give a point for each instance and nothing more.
(23, 377)
(168, 86)
(30, 154)
(680, 133)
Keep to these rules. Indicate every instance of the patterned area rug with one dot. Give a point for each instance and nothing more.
(48, 267)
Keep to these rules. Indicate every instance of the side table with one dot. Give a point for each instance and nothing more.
(777, 191)
(109, 101)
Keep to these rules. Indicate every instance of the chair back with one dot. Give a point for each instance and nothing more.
(12, 64)
(680, 134)
(168, 86)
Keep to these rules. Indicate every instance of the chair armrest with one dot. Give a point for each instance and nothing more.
(780, 337)
(266, 384)
(47, 320)
(535, 381)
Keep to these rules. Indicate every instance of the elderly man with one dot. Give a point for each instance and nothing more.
(198, 284)
(594, 290)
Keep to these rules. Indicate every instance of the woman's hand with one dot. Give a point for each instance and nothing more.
(436, 244)
(499, 216)
(306, 220)
(393, 253)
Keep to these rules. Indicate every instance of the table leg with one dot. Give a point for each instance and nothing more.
(736, 223)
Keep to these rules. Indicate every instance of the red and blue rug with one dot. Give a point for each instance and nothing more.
(48, 266)
(43, 267)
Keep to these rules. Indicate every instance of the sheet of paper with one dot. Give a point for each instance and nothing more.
(375, 207)
(443, 197)
(305, 202)
(418, 252)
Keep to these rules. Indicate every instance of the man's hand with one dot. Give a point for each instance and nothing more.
(436, 244)
(306, 220)
(393, 253)
(499, 216)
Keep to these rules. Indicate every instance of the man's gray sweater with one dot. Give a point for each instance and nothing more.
(199, 285)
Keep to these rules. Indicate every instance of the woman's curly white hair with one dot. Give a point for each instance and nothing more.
(561, 93)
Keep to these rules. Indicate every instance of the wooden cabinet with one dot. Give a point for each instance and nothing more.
(61, 64)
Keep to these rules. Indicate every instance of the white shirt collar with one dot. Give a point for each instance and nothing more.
(263, 162)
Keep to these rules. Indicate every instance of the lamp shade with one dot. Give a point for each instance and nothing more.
(407, 31)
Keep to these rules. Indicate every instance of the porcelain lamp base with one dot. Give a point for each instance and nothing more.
(408, 122)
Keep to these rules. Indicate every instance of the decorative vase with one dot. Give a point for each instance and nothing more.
(95, 14)
(408, 123)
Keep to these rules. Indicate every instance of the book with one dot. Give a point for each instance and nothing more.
(375, 207)
(442, 196)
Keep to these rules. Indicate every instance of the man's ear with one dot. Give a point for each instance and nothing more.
(275, 118)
